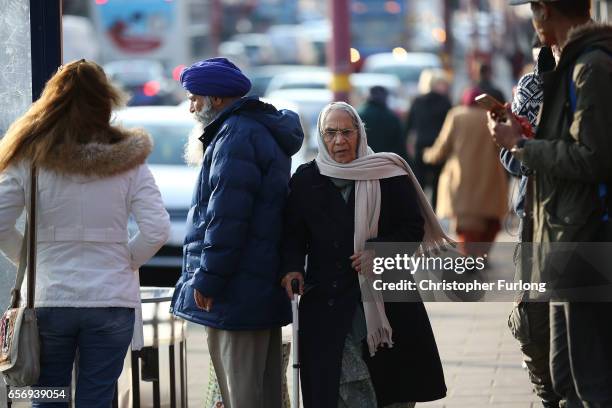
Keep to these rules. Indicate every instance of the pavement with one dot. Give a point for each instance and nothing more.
(481, 359)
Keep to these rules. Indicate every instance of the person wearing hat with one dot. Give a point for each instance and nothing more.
(529, 321)
(571, 161)
(230, 279)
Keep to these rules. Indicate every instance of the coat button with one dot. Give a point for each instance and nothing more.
(334, 284)
(339, 265)
(330, 302)
(336, 244)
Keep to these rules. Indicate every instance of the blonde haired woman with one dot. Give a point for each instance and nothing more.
(91, 177)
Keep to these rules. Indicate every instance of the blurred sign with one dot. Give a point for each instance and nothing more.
(136, 28)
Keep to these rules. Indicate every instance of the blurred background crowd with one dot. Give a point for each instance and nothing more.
(411, 62)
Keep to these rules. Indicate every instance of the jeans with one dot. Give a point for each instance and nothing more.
(101, 335)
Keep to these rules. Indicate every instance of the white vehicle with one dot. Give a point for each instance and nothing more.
(170, 127)
(261, 76)
(360, 83)
(309, 102)
(406, 66)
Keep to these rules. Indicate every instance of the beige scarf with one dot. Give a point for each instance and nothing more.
(367, 170)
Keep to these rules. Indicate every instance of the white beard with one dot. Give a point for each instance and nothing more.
(194, 149)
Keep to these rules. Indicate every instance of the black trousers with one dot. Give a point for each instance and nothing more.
(581, 353)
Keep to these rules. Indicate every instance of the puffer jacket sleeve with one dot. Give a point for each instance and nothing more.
(235, 179)
(294, 244)
(12, 202)
(151, 216)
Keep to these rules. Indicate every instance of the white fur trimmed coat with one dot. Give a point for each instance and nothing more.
(85, 195)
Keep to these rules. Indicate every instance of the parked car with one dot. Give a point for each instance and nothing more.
(310, 102)
(145, 81)
(406, 66)
(170, 127)
(360, 83)
(261, 76)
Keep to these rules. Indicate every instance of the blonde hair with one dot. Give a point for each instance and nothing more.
(75, 107)
(429, 78)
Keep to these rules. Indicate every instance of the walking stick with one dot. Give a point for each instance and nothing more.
(295, 288)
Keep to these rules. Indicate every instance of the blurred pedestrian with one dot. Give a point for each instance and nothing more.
(473, 187)
(485, 82)
(345, 197)
(230, 279)
(529, 320)
(382, 124)
(425, 120)
(91, 177)
(571, 157)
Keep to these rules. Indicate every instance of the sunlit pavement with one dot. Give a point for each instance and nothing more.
(481, 360)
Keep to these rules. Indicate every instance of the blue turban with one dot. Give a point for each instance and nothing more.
(215, 77)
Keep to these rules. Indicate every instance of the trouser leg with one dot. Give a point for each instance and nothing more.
(272, 373)
(589, 327)
(245, 367)
(58, 329)
(103, 342)
(560, 367)
(530, 324)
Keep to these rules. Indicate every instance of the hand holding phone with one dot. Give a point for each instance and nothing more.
(497, 109)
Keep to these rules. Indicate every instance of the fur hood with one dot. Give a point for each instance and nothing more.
(590, 28)
(101, 159)
(583, 37)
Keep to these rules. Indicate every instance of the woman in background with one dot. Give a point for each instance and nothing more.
(473, 187)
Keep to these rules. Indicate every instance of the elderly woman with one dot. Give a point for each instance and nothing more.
(345, 197)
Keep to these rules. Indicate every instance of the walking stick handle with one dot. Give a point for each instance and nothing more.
(295, 286)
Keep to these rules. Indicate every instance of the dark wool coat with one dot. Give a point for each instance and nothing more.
(320, 225)
(384, 128)
(231, 249)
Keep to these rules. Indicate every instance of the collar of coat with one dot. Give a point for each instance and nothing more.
(582, 37)
(242, 104)
(101, 159)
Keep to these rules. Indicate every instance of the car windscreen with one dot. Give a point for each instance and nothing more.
(405, 73)
(168, 141)
(135, 74)
(303, 85)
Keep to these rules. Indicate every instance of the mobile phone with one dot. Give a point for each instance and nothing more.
(491, 104)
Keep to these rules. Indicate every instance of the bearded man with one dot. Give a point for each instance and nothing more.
(231, 265)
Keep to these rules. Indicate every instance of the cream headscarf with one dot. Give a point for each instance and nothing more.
(367, 169)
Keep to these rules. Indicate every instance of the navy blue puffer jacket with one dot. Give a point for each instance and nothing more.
(231, 250)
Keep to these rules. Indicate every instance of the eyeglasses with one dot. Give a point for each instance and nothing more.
(330, 134)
